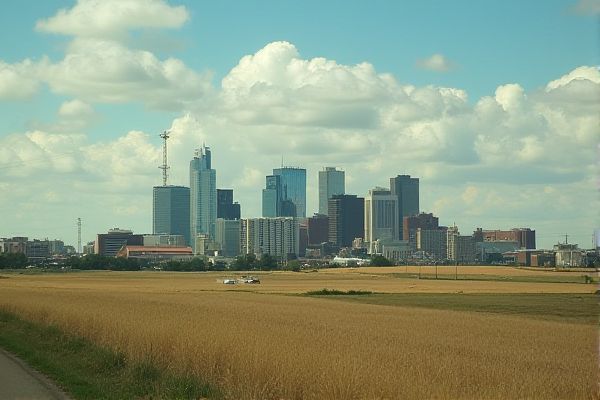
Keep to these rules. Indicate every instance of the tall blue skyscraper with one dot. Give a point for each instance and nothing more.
(171, 211)
(203, 195)
(293, 183)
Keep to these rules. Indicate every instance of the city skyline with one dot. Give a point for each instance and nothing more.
(500, 135)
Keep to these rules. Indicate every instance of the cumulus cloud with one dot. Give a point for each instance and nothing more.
(20, 80)
(436, 62)
(275, 85)
(113, 18)
(587, 7)
(106, 71)
(515, 146)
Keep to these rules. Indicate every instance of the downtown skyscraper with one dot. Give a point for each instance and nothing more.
(203, 195)
(171, 211)
(293, 183)
(331, 182)
(406, 190)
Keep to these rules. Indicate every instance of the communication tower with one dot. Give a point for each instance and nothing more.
(164, 136)
(79, 235)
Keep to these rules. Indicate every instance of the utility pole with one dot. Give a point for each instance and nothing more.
(79, 235)
(164, 136)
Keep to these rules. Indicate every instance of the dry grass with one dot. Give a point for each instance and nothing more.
(266, 346)
(383, 280)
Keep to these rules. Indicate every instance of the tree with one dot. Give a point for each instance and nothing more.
(268, 262)
(380, 261)
(293, 265)
(13, 260)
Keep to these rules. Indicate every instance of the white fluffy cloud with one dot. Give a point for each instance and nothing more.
(436, 62)
(113, 18)
(497, 161)
(107, 71)
(20, 80)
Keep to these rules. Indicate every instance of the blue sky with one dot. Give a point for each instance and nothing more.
(481, 47)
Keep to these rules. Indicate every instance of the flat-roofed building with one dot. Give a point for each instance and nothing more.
(108, 244)
(278, 237)
(381, 217)
(346, 219)
(155, 253)
(228, 236)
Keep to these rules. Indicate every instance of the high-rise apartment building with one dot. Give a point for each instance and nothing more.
(226, 208)
(293, 188)
(414, 222)
(346, 219)
(331, 182)
(406, 189)
(461, 249)
(171, 211)
(381, 217)
(203, 195)
(278, 237)
(433, 242)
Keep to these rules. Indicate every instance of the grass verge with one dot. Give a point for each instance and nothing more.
(87, 371)
(574, 308)
(335, 292)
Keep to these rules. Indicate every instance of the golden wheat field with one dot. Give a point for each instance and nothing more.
(265, 343)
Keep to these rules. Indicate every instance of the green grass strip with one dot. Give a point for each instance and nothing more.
(581, 308)
(87, 371)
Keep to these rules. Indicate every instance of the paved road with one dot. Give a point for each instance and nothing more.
(19, 382)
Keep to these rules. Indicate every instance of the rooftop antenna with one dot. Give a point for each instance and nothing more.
(79, 235)
(282, 161)
(164, 136)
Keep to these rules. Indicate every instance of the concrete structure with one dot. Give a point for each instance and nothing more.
(394, 250)
(433, 242)
(317, 229)
(156, 253)
(165, 241)
(226, 208)
(346, 219)
(108, 244)
(205, 245)
(568, 255)
(88, 248)
(228, 236)
(203, 195)
(293, 184)
(171, 211)
(461, 249)
(13, 245)
(414, 222)
(331, 182)
(525, 237)
(278, 237)
(37, 250)
(381, 217)
(406, 190)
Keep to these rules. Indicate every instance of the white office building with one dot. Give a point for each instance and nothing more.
(331, 182)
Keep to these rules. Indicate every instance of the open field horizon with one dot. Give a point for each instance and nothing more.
(271, 341)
